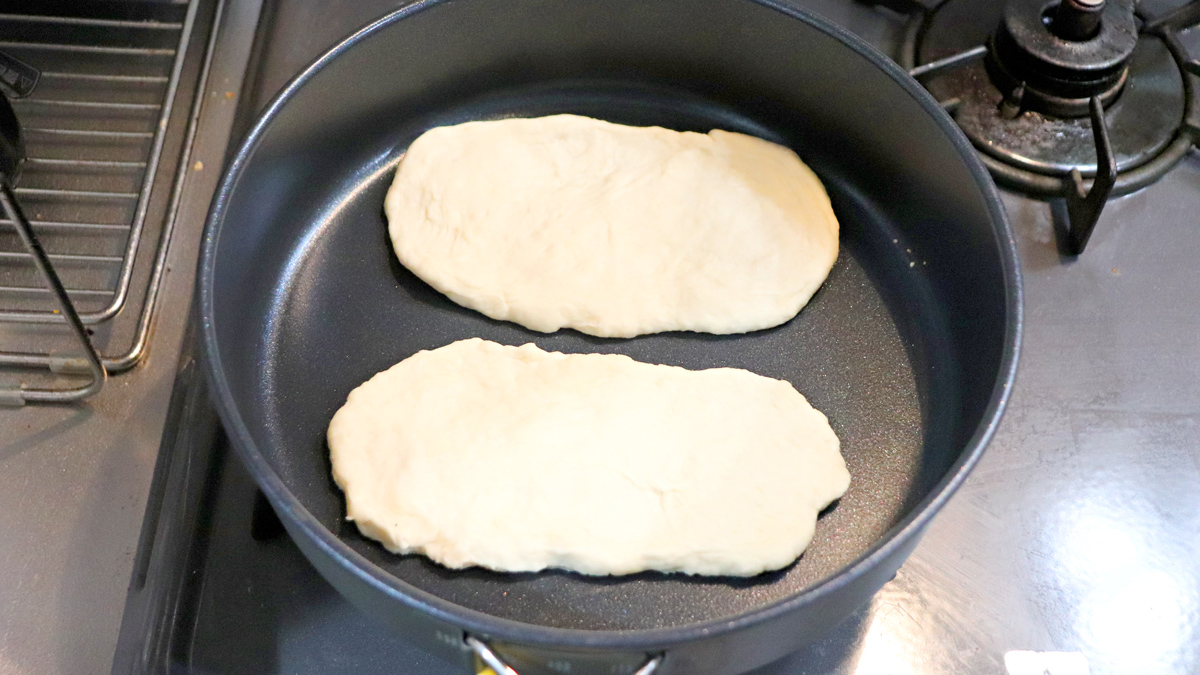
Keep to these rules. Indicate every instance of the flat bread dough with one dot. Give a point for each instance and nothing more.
(615, 231)
(517, 459)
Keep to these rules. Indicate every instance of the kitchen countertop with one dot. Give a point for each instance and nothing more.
(1078, 531)
(74, 479)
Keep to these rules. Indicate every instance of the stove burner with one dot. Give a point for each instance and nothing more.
(1043, 89)
(1059, 57)
(1019, 131)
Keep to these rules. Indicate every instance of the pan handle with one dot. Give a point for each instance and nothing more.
(494, 666)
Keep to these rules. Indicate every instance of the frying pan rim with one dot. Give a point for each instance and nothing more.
(494, 627)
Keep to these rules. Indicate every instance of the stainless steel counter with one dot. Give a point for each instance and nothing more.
(74, 479)
(1080, 528)
(1078, 532)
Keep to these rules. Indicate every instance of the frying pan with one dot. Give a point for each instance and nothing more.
(909, 348)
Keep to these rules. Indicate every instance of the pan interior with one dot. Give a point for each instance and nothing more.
(870, 351)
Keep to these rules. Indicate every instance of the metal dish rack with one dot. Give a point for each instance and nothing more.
(100, 184)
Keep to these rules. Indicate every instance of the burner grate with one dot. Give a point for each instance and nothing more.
(106, 131)
(1045, 143)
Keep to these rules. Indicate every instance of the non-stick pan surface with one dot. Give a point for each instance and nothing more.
(907, 348)
(346, 309)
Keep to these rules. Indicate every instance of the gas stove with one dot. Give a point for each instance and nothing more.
(1073, 546)
(1077, 100)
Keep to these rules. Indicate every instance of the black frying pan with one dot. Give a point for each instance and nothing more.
(909, 347)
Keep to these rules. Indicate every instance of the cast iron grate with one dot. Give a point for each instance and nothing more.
(1114, 142)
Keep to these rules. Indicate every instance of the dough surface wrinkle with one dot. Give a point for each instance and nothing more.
(517, 459)
(615, 231)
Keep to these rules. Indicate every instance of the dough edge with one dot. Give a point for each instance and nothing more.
(494, 305)
(697, 564)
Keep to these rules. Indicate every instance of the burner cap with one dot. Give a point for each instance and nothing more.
(1045, 52)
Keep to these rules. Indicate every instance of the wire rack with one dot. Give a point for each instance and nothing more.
(101, 174)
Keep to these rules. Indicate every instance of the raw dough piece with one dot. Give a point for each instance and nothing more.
(517, 459)
(615, 231)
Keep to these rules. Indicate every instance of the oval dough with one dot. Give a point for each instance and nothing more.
(615, 231)
(517, 459)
